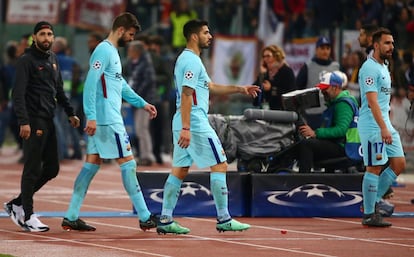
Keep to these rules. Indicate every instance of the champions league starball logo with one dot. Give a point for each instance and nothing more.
(188, 190)
(309, 195)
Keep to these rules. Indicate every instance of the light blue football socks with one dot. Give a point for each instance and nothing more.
(80, 188)
(131, 185)
(369, 191)
(218, 186)
(172, 190)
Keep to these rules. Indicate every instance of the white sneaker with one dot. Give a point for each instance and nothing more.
(35, 225)
(16, 213)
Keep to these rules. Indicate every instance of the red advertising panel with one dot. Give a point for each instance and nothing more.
(32, 11)
(94, 14)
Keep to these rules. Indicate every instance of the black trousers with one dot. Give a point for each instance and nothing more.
(41, 162)
(312, 150)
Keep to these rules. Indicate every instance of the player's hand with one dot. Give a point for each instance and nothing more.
(184, 140)
(74, 121)
(251, 90)
(25, 131)
(90, 127)
(151, 110)
(386, 136)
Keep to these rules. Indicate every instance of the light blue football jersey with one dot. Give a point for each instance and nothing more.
(374, 77)
(190, 71)
(105, 87)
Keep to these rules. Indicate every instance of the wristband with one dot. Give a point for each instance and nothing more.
(186, 129)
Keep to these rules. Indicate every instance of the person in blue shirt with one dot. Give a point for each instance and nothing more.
(71, 71)
(104, 90)
(194, 140)
(380, 141)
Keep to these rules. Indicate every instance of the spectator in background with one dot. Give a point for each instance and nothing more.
(163, 67)
(275, 78)
(94, 38)
(371, 12)
(402, 73)
(355, 60)
(291, 13)
(223, 13)
(309, 29)
(349, 12)
(399, 111)
(327, 14)
(310, 73)
(399, 28)
(251, 17)
(180, 14)
(25, 42)
(7, 77)
(4, 113)
(140, 74)
(71, 72)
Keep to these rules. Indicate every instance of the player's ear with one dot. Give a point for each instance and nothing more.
(194, 37)
(121, 30)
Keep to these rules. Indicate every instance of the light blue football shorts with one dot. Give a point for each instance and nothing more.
(375, 151)
(205, 150)
(110, 142)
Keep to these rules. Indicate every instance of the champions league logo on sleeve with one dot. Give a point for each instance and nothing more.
(369, 81)
(188, 75)
(97, 65)
(309, 195)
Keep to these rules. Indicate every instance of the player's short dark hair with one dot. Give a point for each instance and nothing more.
(126, 20)
(193, 26)
(376, 37)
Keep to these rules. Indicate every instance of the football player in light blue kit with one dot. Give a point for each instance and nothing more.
(107, 138)
(194, 139)
(380, 141)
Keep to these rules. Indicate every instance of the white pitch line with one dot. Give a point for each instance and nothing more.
(57, 239)
(329, 235)
(221, 240)
(358, 223)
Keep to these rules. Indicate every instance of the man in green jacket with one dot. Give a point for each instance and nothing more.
(328, 141)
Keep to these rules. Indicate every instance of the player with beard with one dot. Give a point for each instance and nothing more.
(193, 137)
(38, 87)
(104, 90)
(380, 141)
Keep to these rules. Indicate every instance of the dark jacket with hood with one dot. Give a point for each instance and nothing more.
(38, 86)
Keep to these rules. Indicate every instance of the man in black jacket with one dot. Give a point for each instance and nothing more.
(38, 87)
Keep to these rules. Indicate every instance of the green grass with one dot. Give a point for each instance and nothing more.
(6, 255)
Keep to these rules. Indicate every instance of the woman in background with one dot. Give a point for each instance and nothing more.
(275, 78)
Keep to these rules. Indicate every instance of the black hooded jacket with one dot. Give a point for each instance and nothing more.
(38, 86)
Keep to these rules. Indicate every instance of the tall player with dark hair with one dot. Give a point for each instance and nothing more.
(195, 141)
(380, 141)
(104, 90)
